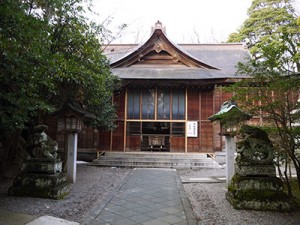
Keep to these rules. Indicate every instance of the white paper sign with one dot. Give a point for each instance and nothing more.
(192, 128)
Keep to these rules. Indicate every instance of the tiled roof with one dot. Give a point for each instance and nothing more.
(170, 73)
(224, 57)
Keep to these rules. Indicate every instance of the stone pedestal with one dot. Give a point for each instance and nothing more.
(41, 179)
(42, 166)
(256, 192)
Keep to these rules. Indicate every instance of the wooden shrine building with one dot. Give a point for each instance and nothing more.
(169, 91)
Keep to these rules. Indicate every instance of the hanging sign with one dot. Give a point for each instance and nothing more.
(192, 129)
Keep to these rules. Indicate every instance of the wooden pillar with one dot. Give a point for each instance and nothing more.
(125, 121)
(186, 120)
(111, 133)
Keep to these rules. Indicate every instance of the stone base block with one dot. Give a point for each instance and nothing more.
(257, 170)
(42, 167)
(258, 193)
(257, 183)
(40, 185)
(40, 180)
(260, 205)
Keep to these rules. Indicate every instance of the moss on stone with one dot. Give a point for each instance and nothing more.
(58, 192)
(261, 205)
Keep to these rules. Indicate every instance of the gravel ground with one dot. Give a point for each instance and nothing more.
(94, 183)
(211, 208)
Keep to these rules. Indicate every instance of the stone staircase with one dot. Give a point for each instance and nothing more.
(155, 160)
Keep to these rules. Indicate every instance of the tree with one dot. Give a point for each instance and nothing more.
(49, 53)
(272, 33)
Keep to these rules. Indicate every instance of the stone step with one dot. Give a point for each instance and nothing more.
(158, 155)
(142, 161)
(156, 165)
(155, 160)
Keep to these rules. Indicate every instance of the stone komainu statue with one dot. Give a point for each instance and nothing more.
(254, 184)
(41, 174)
(41, 145)
(254, 147)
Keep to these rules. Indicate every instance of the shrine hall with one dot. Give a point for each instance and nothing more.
(168, 93)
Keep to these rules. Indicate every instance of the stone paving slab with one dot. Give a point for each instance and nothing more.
(147, 197)
(47, 220)
(203, 180)
(12, 218)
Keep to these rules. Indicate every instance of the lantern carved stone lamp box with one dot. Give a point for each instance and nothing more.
(229, 117)
(72, 113)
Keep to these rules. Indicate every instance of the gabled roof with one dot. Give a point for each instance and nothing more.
(158, 50)
(160, 58)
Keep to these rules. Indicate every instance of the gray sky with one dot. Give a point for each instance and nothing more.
(186, 21)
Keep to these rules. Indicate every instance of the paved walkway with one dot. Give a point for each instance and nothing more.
(148, 197)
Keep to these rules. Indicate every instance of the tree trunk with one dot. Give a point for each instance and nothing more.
(287, 178)
(297, 168)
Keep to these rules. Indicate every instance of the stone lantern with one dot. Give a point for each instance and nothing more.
(229, 117)
(72, 113)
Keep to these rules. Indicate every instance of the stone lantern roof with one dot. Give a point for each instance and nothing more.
(76, 108)
(230, 116)
(230, 112)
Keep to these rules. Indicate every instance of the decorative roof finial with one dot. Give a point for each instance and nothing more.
(158, 25)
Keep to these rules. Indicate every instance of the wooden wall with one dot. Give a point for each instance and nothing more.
(201, 105)
(118, 137)
(194, 113)
(105, 140)
(133, 143)
(88, 138)
(177, 144)
(118, 134)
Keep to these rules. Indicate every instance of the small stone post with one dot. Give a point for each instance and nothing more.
(72, 157)
(230, 148)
